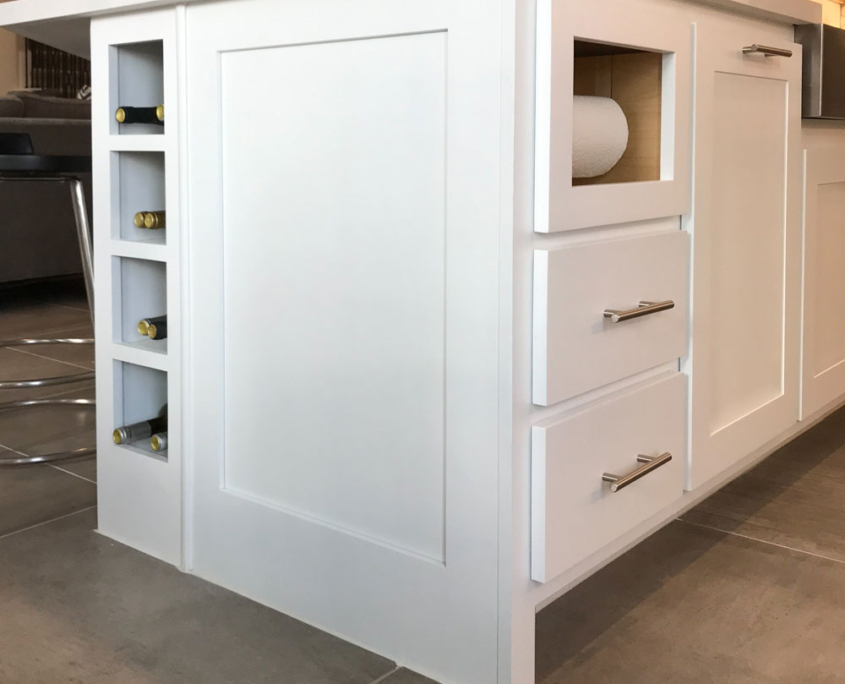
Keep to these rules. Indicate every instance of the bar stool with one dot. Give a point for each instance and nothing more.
(19, 164)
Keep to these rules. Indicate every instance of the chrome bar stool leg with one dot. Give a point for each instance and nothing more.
(83, 233)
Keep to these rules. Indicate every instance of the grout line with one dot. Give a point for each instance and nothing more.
(15, 451)
(68, 306)
(763, 541)
(47, 358)
(386, 675)
(21, 453)
(56, 333)
(53, 333)
(46, 522)
(70, 472)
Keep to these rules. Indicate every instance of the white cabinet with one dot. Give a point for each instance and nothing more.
(656, 183)
(344, 229)
(823, 363)
(578, 344)
(574, 512)
(746, 228)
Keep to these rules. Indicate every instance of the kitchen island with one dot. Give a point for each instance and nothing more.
(419, 382)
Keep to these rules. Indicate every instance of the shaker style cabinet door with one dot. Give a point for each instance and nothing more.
(344, 229)
(823, 348)
(746, 227)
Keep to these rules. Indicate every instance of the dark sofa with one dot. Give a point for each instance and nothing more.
(37, 229)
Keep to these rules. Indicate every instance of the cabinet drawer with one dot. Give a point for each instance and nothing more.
(577, 348)
(574, 513)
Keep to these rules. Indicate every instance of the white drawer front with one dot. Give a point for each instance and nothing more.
(576, 348)
(573, 512)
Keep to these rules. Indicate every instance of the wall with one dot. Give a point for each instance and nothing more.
(833, 12)
(10, 72)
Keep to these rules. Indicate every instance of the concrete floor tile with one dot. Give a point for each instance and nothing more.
(78, 607)
(793, 498)
(16, 365)
(77, 355)
(39, 430)
(34, 320)
(404, 676)
(30, 495)
(698, 606)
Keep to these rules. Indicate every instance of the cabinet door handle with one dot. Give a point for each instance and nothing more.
(767, 50)
(643, 309)
(650, 463)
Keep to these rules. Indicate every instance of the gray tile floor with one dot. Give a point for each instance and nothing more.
(747, 588)
(78, 608)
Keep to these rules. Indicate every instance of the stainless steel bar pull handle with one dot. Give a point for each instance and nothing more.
(643, 309)
(767, 50)
(650, 463)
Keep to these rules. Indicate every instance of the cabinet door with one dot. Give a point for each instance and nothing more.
(344, 232)
(823, 363)
(746, 227)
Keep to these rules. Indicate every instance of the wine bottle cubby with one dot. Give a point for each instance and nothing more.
(138, 171)
(140, 395)
(141, 294)
(138, 69)
(138, 187)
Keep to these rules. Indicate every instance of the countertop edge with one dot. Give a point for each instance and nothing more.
(29, 12)
(65, 24)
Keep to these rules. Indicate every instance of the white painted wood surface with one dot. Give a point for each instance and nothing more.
(574, 513)
(577, 349)
(139, 493)
(344, 265)
(746, 248)
(560, 206)
(823, 363)
(335, 399)
(65, 23)
(467, 615)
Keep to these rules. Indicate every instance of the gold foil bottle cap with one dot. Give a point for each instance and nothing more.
(150, 220)
(152, 331)
(139, 219)
(120, 115)
(144, 327)
(158, 442)
(117, 436)
(160, 112)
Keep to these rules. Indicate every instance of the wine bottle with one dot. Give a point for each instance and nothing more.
(150, 219)
(145, 429)
(158, 442)
(156, 322)
(158, 331)
(140, 115)
(154, 219)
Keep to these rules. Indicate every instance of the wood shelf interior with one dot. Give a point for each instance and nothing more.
(633, 78)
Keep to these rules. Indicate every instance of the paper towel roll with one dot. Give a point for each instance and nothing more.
(599, 135)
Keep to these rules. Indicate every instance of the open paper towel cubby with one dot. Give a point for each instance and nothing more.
(643, 63)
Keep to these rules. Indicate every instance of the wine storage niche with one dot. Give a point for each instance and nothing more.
(138, 187)
(137, 80)
(140, 286)
(140, 395)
